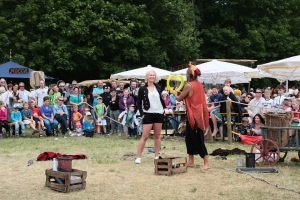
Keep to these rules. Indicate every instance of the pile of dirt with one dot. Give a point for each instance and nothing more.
(226, 152)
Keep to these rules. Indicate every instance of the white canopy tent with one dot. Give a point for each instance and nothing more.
(263, 74)
(289, 68)
(216, 72)
(141, 73)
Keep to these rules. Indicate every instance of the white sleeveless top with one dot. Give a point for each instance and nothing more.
(155, 103)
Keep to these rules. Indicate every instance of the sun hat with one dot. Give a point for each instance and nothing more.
(88, 113)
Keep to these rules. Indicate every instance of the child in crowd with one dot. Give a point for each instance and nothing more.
(268, 103)
(88, 125)
(128, 121)
(3, 119)
(215, 98)
(244, 129)
(228, 83)
(280, 96)
(76, 117)
(36, 114)
(285, 105)
(295, 120)
(100, 112)
(208, 93)
(167, 101)
(16, 118)
(27, 117)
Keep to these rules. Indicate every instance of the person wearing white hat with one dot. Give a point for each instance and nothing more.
(88, 125)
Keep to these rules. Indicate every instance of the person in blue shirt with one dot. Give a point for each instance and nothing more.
(215, 97)
(97, 92)
(16, 118)
(48, 115)
(88, 125)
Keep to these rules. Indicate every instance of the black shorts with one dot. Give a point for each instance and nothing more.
(151, 118)
(36, 120)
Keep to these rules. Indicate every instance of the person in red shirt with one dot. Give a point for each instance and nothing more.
(197, 116)
(37, 118)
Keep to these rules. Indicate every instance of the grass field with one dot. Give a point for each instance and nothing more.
(111, 177)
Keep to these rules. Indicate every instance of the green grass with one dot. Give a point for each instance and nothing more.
(112, 177)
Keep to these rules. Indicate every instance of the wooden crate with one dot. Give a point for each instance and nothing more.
(77, 183)
(170, 166)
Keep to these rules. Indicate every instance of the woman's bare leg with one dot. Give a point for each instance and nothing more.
(191, 162)
(206, 164)
(146, 132)
(157, 131)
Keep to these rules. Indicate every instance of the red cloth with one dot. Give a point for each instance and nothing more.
(196, 108)
(247, 139)
(49, 155)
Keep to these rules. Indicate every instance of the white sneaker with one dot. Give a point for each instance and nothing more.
(65, 136)
(120, 134)
(156, 157)
(69, 132)
(138, 161)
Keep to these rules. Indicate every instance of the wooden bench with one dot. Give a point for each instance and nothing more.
(163, 132)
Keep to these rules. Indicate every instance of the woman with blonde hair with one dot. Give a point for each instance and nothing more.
(151, 107)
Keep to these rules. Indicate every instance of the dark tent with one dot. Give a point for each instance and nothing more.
(14, 70)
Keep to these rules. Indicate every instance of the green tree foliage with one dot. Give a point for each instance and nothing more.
(95, 38)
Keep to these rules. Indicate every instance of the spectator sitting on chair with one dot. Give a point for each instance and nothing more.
(88, 125)
(244, 129)
(36, 114)
(48, 116)
(215, 97)
(15, 98)
(60, 112)
(16, 118)
(236, 107)
(3, 119)
(27, 117)
(257, 123)
(246, 100)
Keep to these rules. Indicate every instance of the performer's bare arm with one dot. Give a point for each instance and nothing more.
(187, 91)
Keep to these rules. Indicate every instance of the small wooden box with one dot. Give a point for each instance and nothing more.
(77, 182)
(170, 166)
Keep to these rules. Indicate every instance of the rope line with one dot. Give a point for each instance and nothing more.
(263, 180)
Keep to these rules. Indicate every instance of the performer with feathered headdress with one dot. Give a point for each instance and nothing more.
(197, 116)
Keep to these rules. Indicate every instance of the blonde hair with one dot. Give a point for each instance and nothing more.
(209, 90)
(157, 78)
(245, 119)
(285, 102)
(268, 91)
(226, 87)
(297, 101)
